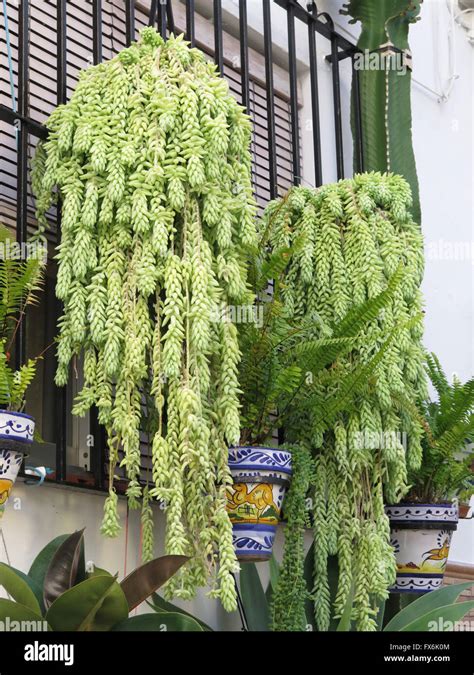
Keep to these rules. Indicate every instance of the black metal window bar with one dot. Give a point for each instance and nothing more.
(160, 14)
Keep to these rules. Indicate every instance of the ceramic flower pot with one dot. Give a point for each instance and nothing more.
(16, 433)
(421, 537)
(465, 510)
(16, 426)
(261, 477)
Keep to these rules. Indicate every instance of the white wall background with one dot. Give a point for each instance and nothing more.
(444, 151)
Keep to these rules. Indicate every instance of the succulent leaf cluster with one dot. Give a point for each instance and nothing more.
(151, 162)
(353, 239)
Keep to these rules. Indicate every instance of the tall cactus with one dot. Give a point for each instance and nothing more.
(385, 92)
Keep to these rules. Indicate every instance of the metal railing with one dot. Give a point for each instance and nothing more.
(161, 15)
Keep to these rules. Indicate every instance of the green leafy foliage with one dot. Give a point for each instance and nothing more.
(18, 588)
(426, 605)
(20, 281)
(284, 364)
(74, 600)
(63, 568)
(162, 606)
(449, 429)
(97, 603)
(15, 611)
(253, 598)
(291, 591)
(142, 582)
(151, 162)
(353, 282)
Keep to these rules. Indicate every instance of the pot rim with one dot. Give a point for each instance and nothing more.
(449, 525)
(258, 447)
(235, 464)
(448, 504)
(273, 480)
(420, 523)
(16, 414)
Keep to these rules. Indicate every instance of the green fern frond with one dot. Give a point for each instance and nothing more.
(353, 384)
(436, 375)
(450, 428)
(6, 378)
(360, 315)
(22, 379)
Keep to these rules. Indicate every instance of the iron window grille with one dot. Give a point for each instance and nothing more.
(161, 14)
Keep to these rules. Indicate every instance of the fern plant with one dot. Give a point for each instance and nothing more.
(20, 281)
(449, 428)
(284, 367)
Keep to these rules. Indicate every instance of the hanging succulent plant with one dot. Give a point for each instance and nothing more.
(151, 160)
(354, 238)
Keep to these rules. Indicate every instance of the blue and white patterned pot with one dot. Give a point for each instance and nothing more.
(421, 537)
(16, 426)
(261, 477)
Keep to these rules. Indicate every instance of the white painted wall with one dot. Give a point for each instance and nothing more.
(35, 515)
(444, 152)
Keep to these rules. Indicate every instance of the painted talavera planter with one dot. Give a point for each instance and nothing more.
(16, 426)
(261, 477)
(16, 434)
(421, 537)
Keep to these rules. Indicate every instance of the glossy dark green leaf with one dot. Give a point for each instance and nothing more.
(95, 604)
(159, 623)
(18, 588)
(113, 609)
(61, 574)
(42, 561)
(426, 603)
(98, 572)
(148, 578)
(81, 574)
(253, 598)
(14, 611)
(37, 590)
(162, 606)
